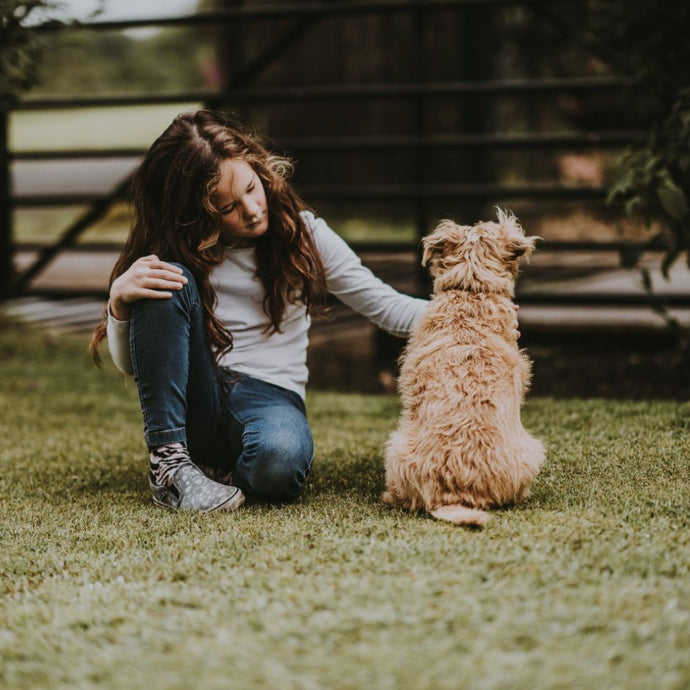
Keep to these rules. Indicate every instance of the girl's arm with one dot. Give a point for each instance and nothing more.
(118, 343)
(355, 285)
(360, 289)
(146, 278)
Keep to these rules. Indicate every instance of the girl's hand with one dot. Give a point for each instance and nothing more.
(146, 278)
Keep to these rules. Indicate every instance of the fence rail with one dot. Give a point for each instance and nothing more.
(366, 193)
(302, 94)
(557, 246)
(530, 140)
(297, 11)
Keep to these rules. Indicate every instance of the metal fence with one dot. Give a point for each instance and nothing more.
(242, 90)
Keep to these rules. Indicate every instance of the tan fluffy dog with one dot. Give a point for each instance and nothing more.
(460, 446)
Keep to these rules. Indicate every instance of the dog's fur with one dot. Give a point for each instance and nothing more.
(460, 446)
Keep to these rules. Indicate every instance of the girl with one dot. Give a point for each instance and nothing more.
(209, 309)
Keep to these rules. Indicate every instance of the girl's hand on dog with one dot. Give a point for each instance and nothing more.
(146, 278)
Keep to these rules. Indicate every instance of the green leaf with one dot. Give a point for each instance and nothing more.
(673, 200)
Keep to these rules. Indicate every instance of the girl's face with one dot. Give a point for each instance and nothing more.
(241, 200)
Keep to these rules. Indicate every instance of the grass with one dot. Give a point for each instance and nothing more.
(584, 586)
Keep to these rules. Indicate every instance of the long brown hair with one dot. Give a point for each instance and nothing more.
(175, 218)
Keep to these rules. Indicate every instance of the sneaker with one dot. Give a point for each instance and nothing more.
(191, 489)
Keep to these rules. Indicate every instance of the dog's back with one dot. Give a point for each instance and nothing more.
(460, 446)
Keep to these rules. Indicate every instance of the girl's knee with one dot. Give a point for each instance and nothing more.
(185, 271)
(189, 289)
(281, 482)
(187, 297)
(277, 469)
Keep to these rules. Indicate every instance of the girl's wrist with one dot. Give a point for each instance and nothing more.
(118, 309)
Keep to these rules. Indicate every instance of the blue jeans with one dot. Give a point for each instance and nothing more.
(231, 422)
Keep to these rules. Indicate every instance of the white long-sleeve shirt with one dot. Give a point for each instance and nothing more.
(281, 357)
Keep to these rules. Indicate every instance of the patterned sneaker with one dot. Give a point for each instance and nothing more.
(191, 489)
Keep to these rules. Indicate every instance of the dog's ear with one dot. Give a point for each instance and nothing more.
(433, 246)
(436, 244)
(519, 246)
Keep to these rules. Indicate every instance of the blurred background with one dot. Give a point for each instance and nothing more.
(397, 113)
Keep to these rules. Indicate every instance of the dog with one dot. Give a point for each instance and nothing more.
(460, 447)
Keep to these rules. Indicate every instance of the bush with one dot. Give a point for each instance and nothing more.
(20, 47)
(646, 40)
(653, 181)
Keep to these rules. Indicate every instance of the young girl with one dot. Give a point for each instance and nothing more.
(209, 309)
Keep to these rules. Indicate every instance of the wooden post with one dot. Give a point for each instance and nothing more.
(231, 59)
(421, 18)
(6, 244)
(475, 35)
(387, 348)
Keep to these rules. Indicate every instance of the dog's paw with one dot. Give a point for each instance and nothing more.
(388, 497)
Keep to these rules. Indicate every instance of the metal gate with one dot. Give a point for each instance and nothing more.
(469, 91)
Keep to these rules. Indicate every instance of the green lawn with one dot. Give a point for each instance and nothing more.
(585, 586)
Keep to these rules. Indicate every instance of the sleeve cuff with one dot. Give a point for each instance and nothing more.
(115, 320)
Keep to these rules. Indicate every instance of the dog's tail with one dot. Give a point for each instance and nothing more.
(461, 515)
